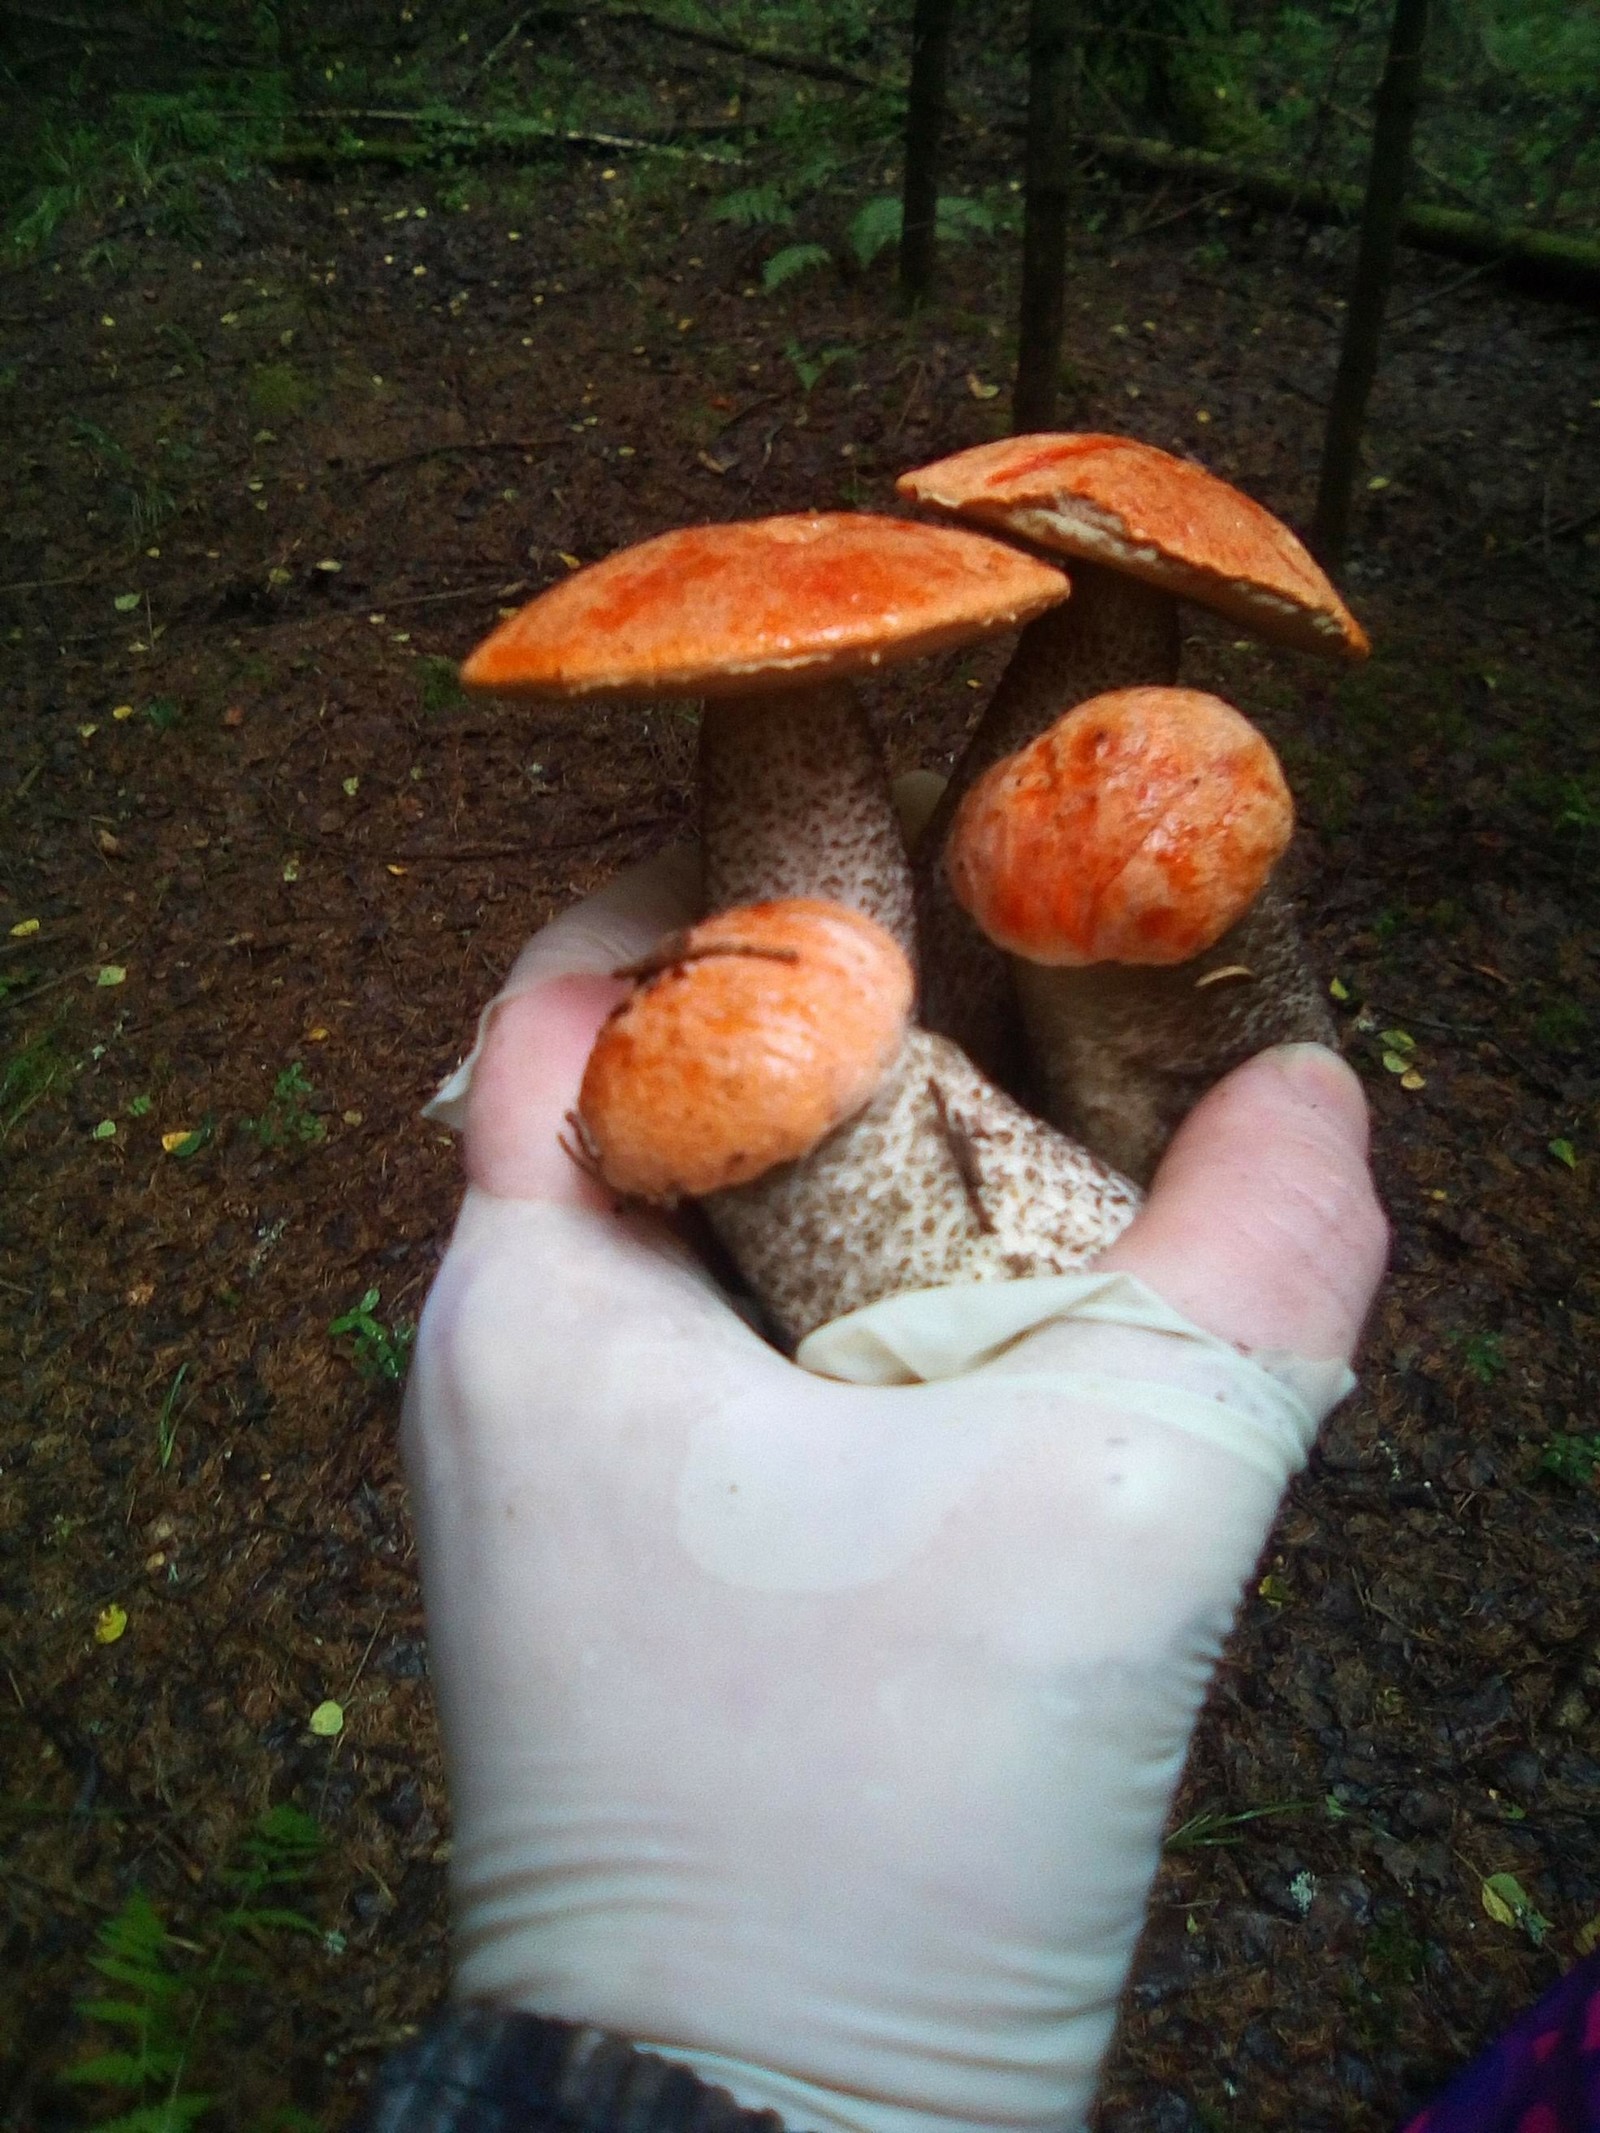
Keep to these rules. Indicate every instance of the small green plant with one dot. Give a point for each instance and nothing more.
(150, 2015)
(957, 220)
(288, 1121)
(163, 713)
(147, 504)
(167, 1420)
(27, 1078)
(440, 682)
(1394, 1955)
(378, 1351)
(171, 2007)
(792, 260)
(1483, 1354)
(1580, 806)
(808, 369)
(278, 390)
(1571, 1458)
(1213, 1826)
(753, 207)
(1563, 1025)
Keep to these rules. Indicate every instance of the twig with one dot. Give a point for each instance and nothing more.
(502, 43)
(467, 852)
(1190, 207)
(785, 62)
(1402, 318)
(28, 585)
(374, 467)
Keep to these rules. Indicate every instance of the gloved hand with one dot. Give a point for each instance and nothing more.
(821, 1735)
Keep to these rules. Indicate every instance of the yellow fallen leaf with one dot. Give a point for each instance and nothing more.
(571, 561)
(122, 711)
(1338, 988)
(291, 870)
(328, 563)
(87, 733)
(1411, 1079)
(173, 1141)
(396, 870)
(317, 1036)
(110, 974)
(979, 390)
(24, 928)
(109, 1624)
(351, 787)
(351, 1118)
(327, 1720)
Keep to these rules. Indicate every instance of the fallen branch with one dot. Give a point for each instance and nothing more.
(1567, 266)
(371, 468)
(475, 140)
(452, 854)
(763, 56)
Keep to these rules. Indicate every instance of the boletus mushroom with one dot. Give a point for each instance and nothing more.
(1143, 530)
(941, 1177)
(768, 620)
(1123, 860)
(766, 1065)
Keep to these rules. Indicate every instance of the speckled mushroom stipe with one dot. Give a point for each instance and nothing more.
(1113, 633)
(793, 802)
(941, 1179)
(1125, 1052)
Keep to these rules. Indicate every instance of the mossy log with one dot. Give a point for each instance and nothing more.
(1561, 264)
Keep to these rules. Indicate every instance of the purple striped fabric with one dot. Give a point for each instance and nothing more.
(1542, 2076)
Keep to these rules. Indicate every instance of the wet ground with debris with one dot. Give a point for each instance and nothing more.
(261, 861)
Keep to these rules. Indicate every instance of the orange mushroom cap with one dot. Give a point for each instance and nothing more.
(1138, 829)
(1135, 508)
(751, 1037)
(722, 609)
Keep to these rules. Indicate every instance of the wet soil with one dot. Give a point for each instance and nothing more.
(270, 478)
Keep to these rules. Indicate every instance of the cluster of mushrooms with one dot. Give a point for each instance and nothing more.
(1087, 917)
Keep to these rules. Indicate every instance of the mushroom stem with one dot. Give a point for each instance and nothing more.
(1123, 1052)
(1113, 633)
(795, 802)
(941, 1179)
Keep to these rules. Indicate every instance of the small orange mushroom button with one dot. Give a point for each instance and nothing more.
(751, 1037)
(1137, 829)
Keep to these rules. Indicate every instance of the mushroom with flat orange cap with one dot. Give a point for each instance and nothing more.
(768, 620)
(1123, 860)
(1144, 530)
(941, 1177)
(766, 1066)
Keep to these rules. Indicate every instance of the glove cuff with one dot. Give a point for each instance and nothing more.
(478, 2068)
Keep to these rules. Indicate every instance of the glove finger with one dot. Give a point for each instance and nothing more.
(1262, 1224)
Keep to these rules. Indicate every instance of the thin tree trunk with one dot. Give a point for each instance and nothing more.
(1399, 93)
(1051, 56)
(925, 108)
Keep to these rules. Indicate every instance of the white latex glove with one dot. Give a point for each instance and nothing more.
(820, 1735)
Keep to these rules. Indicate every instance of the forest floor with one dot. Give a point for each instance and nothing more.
(261, 862)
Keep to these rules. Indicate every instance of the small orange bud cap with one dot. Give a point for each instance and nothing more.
(751, 1037)
(1138, 829)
